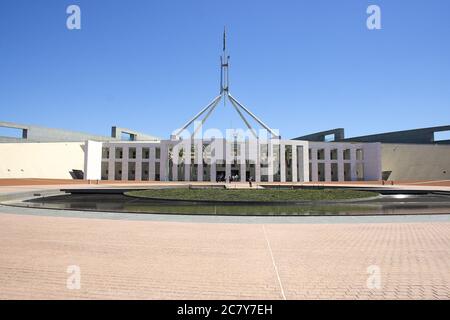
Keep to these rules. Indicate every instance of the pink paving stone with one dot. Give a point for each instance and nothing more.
(171, 260)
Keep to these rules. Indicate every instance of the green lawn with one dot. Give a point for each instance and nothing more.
(265, 195)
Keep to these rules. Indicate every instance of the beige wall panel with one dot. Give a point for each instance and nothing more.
(416, 162)
(41, 160)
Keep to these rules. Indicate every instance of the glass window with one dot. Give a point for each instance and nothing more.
(119, 153)
(276, 163)
(321, 171)
(145, 171)
(157, 171)
(288, 163)
(359, 154)
(105, 171)
(264, 152)
(360, 171)
(334, 154)
(321, 154)
(132, 153)
(347, 154)
(105, 153)
(145, 153)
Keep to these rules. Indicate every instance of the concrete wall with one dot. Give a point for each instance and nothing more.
(31, 133)
(372, 161)
(416, 136)
(93, 160)
(41, 160)
(416, 162)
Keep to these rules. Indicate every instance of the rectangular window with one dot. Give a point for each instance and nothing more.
(125, 136)
(206, 147)
(157, 171)
(132, 153)
(145, 153)
(236, 149)
(119, 153)
(118, 171)
(321, 154)
(360, 171)
(180, 173)
(334, 172)
(157, 153)
(346, 154)
(194, 172)
(193, 154)
(359, 154)
(334, 154)
(330, 137)
(276, 163)
(131, 170)
(105, 170)
(264, 154)
(264, 172)
(321, 171)
(145, 171)
(105, 153)
(347, 172)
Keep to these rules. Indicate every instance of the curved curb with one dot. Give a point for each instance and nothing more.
(24, 195)
(199, 215)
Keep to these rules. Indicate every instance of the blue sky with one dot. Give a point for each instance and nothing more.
(302, 66)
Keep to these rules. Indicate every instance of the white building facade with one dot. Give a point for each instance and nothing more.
(216, 160)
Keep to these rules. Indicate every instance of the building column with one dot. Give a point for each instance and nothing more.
(257, 162)
(340, 151)
(138, 167)
(354, 176)
(175, 162)
(151, 163)
(270, 164)
(242, 164)
(111, 163)
(314, 166)
(282, 162)
(327, 151)
(187, 163)
(125, 163)
(228, 159)
(164, 162)
(305, 162)
(93, 160)
(199, 152)
(294, 164)
(213, 170)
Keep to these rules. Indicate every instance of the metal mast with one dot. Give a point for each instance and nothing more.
(224, 58)
(225, 94)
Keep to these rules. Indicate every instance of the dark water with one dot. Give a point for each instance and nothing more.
(399, 204)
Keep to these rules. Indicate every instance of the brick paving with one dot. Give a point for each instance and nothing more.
(176, 260)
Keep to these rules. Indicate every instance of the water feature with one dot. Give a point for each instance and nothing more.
(392, 204)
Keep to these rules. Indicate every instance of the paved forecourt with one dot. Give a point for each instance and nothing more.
(198, 260)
